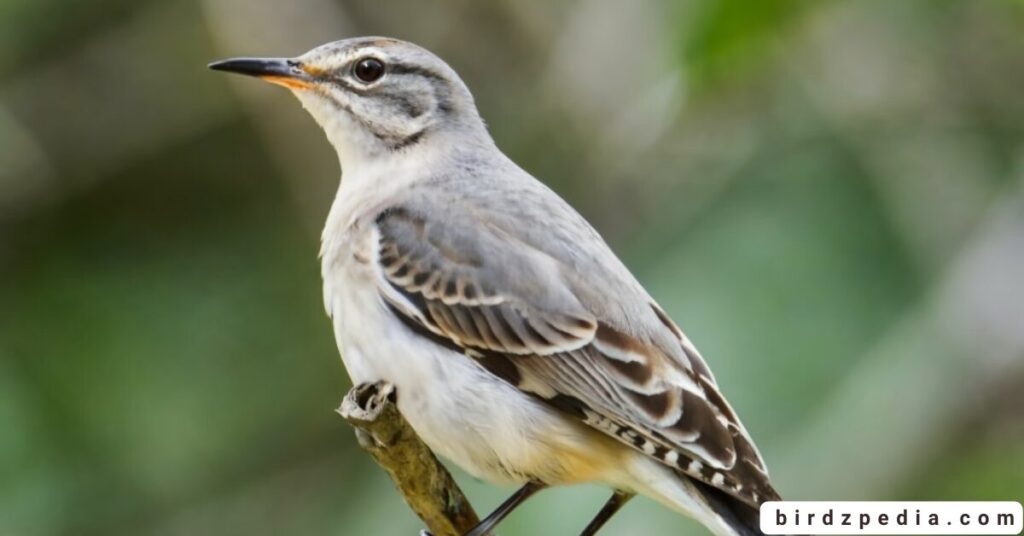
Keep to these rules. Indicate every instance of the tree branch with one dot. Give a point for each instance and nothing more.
(428, 488)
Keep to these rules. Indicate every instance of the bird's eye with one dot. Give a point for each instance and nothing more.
(368, 70)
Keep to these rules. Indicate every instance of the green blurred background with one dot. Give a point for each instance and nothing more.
(826, 195)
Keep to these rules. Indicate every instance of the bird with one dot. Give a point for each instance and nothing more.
(520, 347)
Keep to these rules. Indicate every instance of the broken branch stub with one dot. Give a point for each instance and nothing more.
(427, 487)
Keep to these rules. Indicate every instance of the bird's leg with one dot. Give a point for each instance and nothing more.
(499, 513)
(615, 502)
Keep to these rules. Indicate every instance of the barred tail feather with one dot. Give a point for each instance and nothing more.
(721, 513)
(740, 517)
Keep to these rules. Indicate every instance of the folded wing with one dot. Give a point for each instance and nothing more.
(481, 290)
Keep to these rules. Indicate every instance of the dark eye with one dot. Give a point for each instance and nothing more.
(368, 69)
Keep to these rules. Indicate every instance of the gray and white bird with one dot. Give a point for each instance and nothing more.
(520, 346)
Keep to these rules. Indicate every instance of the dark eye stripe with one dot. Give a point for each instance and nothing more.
(404, 68)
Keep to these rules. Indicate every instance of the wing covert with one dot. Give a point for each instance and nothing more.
(482, 290)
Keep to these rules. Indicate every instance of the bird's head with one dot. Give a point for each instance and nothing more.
(372, 95)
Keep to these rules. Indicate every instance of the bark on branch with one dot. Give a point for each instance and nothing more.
(425, 484)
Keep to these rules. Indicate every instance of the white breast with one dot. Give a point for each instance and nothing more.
(464, 413)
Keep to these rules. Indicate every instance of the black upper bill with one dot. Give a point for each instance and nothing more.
(261, 67)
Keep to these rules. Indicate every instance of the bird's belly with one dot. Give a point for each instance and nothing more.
(462, 412)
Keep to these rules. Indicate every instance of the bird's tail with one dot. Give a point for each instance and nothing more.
(721, 513)
(741, 518)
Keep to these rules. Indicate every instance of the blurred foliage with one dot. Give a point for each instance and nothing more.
(806, 187)
(727, 36)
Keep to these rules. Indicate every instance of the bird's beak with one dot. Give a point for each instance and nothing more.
(280, 71)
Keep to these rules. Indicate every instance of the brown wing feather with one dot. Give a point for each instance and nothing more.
(614, 382)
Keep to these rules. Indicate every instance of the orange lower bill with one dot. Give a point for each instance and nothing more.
(290, 83)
